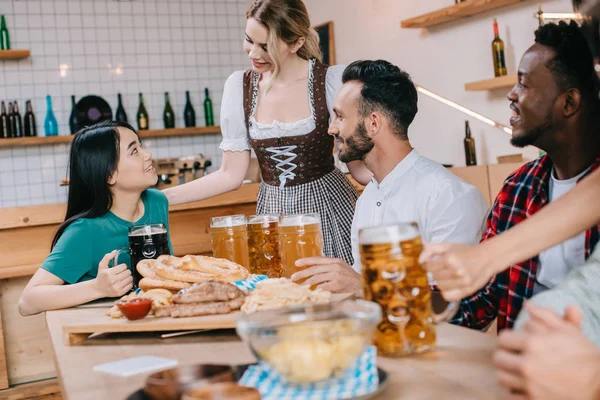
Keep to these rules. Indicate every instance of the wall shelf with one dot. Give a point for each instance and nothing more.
(503, 82)
(66, 139)
(14, 54)
(465, 9)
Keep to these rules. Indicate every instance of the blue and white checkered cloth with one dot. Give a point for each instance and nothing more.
(361, 379)
(250, 282)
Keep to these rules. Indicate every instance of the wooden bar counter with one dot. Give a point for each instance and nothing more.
(25, 238)
(460, 368)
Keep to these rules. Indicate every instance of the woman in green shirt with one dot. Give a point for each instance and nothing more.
(110, 179)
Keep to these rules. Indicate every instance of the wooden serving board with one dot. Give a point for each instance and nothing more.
(82, 322)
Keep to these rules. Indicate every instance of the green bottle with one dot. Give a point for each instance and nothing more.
(168, 114)
(208, 110)
(4, 36)
(142, 116)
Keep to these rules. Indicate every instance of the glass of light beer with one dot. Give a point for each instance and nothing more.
(393, 277)
(229, 238)
(300, 236)
(263, 245)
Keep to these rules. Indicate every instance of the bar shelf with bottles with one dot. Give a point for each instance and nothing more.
(455, 12)
(146, 134)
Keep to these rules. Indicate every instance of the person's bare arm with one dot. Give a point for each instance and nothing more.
(229, 177)
(45, 291)
(462, 270)
(359, 172)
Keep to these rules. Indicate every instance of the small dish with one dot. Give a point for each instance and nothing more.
(135, 309)
(172, 383)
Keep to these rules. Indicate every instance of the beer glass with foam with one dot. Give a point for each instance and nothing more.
(300, 236)
(393, 277)
(229, 238)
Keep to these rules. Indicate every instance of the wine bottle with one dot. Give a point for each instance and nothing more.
(30, 128)
(189, 115)
(498, 53)
(168, 114)
(4, 123)
(470, 155)
(12, 124)
(120, 115)
(74, 124)
(4, 36)
(208, 110)
(142, 116)
(50, 123)
(18, 129)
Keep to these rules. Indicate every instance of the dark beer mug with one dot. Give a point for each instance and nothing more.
(145, 242)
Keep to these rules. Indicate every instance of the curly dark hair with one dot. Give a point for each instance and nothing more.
(573, 65)
(387, 89)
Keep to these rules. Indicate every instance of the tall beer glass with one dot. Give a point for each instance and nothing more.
(300, 236)
(263, 245)
(229, 238)
(393, 277)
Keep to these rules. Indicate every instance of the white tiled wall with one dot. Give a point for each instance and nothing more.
(103, 47)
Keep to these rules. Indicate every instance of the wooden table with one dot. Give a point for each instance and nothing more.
(459, 369)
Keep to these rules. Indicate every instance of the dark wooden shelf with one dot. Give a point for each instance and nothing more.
(14, 54)
(465, 9)
(52, 140)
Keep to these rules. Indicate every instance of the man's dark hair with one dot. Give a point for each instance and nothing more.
(387, 89)
(573, 65)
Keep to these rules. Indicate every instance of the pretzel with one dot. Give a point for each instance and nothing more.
(146, 268)
(198, 269)
(147, 284)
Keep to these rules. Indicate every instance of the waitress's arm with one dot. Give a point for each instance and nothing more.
(359, 172)
(229, 177)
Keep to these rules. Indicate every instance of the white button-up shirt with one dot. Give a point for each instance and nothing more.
(446, 208)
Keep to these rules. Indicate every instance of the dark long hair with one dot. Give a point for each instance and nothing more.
(93, 159)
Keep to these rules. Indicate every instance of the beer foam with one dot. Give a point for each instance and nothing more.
(297, 220)
(387, 234)
(229, 221)
(263, 219)
(148, 230)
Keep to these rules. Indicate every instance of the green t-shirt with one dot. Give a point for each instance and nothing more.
(86, 241)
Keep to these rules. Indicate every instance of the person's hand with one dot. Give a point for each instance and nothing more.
(549, 359)
(330, 274)
(115, 281)
(459, 269)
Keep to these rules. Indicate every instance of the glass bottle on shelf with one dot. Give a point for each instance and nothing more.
(498, 53)
(50, 123)
(74, 124)
(120, 115)
(189, 115)
(470, 155)
(4, 123)
(12, 123)
(29, 120)
(4, 36)
(208, 109)
(168, 114)
(142, 115)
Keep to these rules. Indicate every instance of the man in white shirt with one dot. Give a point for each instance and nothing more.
(373, 111)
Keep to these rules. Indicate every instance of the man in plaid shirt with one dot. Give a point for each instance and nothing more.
(555, 107)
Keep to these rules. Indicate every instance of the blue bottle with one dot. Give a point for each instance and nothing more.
(50, 124)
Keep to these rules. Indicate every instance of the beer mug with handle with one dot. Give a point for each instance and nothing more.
(229, 238)
(300, 236)
(145, 242)
(393, 278)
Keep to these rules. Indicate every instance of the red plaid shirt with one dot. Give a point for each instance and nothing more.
(524, 193)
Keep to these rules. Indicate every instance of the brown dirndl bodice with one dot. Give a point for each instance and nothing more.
(294, 160)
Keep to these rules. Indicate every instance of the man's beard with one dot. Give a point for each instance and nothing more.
(358, 145)
(533, 135)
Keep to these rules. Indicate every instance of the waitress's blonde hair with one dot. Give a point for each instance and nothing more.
(286, 20)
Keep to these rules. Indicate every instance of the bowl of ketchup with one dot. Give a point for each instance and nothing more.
(135, 309)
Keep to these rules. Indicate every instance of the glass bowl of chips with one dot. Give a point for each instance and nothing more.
(313, 342)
